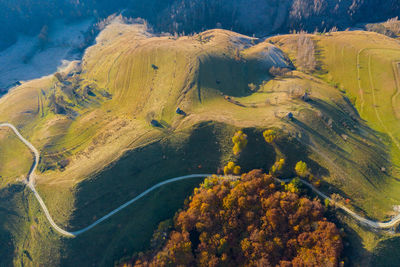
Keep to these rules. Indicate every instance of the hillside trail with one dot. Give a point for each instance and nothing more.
(30, 181)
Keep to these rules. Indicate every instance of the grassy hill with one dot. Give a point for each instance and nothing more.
(92, 125)
(364, 67)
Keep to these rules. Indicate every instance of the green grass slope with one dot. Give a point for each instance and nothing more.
(364, 67)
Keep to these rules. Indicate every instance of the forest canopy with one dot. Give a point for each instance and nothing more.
(247, 222)
(261, 17)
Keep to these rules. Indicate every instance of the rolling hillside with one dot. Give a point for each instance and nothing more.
(107, 130)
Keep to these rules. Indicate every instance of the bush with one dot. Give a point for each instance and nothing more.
(269, 136)
(302, 169)
(326, 202)
(240, 142)
(277, 167)
(231, 168)
(294, 186)
(277, 71)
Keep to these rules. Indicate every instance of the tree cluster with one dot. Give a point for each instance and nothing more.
(250, 222)
(305, 53)
(231, 168)
(303, 171)
(278, 71)
(389, 28)
(179, 16)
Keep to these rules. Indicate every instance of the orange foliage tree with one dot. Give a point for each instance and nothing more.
(250, 222)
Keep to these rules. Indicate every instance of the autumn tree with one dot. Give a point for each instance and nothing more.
(249, 222)
(278, 71)
(269, 136)
(231, 168)
(277, 167)
(302, 169)
(294, 186)
(240, 142)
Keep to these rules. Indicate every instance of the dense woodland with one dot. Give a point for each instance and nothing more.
(250, 222)
(259, 17)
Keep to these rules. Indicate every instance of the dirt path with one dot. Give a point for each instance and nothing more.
(30, 181)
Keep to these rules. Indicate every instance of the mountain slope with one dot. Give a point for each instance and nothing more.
(107, 130)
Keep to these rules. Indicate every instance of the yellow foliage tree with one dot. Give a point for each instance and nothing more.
(236, 170)
(231, 168)
(293, 186)
(277, 167)
(240, 142)
(302, 169)
(269, 136)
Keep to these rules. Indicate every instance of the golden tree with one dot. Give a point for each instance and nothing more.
(277, 167)
(269, 136)
(231, 168)
(240, 142)
(302, 169)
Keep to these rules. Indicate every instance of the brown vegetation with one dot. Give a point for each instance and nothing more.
(278, 72)
(390, 28)
(305, 53)
(251, 222)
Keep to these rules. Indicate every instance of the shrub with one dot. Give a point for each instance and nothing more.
(302, 169)
(277, 167)
(240, 142)
(294, 186)
(231, 168)
(278, 71)
(269, 136)
(252, 87)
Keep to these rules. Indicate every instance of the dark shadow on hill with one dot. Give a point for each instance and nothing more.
(194, 151)
(320, 56)
(354, 253)
(129, 231)
(295, 152)
(9, 218)
(231, 76)
(338, 129)
(387, 253)
(197, 150)
(258, 154)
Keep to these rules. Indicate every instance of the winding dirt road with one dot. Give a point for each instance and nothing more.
(30, 181)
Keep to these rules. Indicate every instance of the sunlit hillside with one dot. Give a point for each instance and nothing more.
(108, 127)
